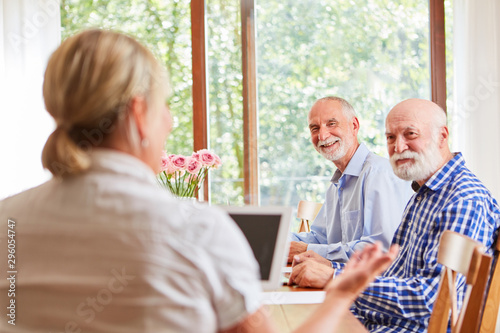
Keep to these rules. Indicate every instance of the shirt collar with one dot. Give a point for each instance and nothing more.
(439, 178)
(355, 165)
(121, 163)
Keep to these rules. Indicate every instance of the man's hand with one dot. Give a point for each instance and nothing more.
(311, 255)
(296, 248)
(310, 273)
(312, 270)
(362, 268)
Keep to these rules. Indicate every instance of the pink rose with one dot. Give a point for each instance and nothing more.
(208, 158)
(218, 162)
(165, 162)
(193, 166)
(196, 156)
(179, 162)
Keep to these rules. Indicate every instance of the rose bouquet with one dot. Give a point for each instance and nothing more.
(184, 175)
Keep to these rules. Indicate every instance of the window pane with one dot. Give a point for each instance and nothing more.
(374, 53)
(165, 28)
(224, 71)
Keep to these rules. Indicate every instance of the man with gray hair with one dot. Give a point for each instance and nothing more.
(365, 201)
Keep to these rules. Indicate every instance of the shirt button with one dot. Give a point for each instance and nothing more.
(419, 198)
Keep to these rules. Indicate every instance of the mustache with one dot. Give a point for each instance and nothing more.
(331, 139)
(404, 155)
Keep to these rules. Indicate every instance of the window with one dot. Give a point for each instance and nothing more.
(373, 53)
(257, 68)
(165, 28)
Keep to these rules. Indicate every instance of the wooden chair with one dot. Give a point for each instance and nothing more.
(306, 212)
(472, 313)
(490, 309)
(460, 254)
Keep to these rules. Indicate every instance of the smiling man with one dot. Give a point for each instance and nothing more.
(365, 201)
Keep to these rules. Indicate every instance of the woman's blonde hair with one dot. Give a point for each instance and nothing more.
(89, 82)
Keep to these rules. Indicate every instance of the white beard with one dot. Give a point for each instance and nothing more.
(423, 166)
(336, 154)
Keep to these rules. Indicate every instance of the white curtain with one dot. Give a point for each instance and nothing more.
(476, 113)
(29, 33)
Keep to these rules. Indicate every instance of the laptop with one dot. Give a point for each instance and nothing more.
(266, 229)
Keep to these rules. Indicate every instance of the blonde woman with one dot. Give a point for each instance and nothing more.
(99, 247)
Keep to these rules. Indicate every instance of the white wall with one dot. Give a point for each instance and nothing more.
(477, 87)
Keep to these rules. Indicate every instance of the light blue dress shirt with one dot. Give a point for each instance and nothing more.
(362, 205)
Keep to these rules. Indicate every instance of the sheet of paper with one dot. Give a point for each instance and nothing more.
(295, 297)
(285, 275)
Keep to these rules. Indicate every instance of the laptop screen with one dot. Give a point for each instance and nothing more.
(266, 230)
(261, 232)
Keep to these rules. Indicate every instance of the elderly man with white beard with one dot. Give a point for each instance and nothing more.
(365, 201)
(448, 197)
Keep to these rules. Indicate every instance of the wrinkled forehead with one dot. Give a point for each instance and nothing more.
(323, 111)
(407, 118)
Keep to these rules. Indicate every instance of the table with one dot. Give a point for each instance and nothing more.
(288, 317)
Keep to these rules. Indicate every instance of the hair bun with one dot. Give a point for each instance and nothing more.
(62, 156)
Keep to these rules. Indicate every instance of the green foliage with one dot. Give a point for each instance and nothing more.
(165, 28)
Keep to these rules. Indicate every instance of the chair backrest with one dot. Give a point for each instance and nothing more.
(490, 310)
(459, 254)
(306, 212)
(470, 317)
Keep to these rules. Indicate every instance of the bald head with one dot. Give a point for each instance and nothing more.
(417, 139)
(426, 112)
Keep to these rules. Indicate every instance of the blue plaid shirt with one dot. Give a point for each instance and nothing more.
(453, 198)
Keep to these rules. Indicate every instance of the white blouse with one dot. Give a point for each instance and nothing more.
(110, 251)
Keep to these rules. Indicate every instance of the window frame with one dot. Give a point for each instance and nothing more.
(250, 116)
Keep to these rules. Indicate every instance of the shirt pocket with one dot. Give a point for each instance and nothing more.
(352, 226)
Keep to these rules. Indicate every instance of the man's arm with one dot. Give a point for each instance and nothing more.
(383, 198)
(395, 296)
(299, 241)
